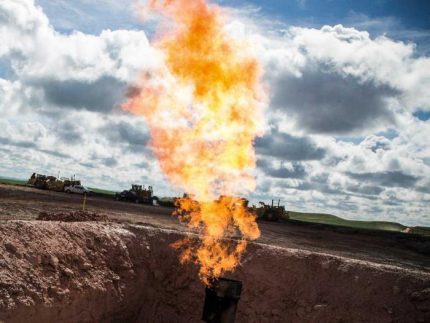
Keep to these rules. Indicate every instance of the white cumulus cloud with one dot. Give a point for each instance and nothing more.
(341, 134)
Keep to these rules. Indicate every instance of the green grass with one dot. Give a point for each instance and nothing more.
(330, 219)
(425, 231)
(99, 191)
(10, 181)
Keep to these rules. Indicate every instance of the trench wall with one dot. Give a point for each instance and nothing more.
(100, 272)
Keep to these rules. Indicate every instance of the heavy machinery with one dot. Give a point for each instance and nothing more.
(137, 194)
(54, 184)
(145, 195)
(37, 180)
(51, 183)
(271, 212)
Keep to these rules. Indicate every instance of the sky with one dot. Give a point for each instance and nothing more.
(347, 117)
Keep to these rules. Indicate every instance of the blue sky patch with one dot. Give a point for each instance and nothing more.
(422, 115)
(389, 134)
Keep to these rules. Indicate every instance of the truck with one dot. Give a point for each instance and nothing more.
(77, 189)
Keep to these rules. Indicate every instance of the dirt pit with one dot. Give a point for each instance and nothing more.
(112, 272)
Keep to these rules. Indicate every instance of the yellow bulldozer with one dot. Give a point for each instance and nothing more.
(271, 212)
(142, 194)
(141, 191)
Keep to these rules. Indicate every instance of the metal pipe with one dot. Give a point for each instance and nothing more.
(221, 301)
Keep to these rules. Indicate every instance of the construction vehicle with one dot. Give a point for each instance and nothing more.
(271, 212)
(51, 183)
(45, 182)
(54, 184)
(144, 195)
(37, 180)
(137, 194)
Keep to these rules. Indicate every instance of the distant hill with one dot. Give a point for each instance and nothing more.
(330, 219)
(12, 181)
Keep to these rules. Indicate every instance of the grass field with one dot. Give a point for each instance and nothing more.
(330, 219)
(335, 220)
(98, 191)
(9, 181)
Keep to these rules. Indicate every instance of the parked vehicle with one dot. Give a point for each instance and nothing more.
(77, 189)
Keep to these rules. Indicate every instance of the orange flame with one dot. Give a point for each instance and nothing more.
(204, 111)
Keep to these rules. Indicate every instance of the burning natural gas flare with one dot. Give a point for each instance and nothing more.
(204, 110)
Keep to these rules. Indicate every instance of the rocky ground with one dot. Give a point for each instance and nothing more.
(121, 269)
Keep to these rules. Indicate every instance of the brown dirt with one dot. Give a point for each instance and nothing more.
(106, 272)
(72, 216)
(125, 271)
(24, 203)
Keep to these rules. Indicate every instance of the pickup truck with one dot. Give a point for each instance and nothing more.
(77, 189)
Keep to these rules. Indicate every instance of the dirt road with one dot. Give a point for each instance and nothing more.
(395, 249)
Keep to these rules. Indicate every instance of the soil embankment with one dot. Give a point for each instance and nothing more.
(112, 272)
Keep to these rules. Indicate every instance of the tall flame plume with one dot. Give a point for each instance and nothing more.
(203, 110)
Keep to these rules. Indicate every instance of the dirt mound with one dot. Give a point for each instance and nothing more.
(73, 216)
